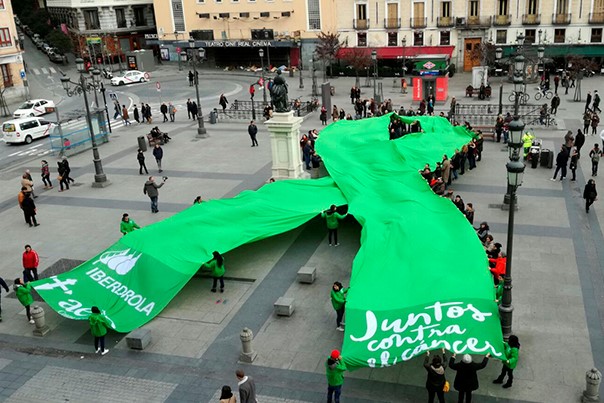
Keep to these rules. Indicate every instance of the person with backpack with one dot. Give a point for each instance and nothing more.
(466, 379)
(595, 155)
(334, 369)
(331, 217)
(511, 350)
(435, 382)
(23, 292)
(217, 270)
(98, 328)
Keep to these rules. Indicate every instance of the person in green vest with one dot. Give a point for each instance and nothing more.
(216, 268)
(511, 350)
(23, 292)
(499, 290)
(338, 300)
(98, 327)
(127, 225)
(331, 217)
(334, 369)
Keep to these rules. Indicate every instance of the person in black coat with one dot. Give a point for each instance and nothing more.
(164, 111)
(435, 382)
(590, 194)
(252, 130)
(29, 210)
(140, 156)
(136, 114)
(466, 379)
(579, 141)
(561, 162)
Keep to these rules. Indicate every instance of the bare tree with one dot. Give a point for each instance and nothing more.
(359, 60)
(327, 48)
(578, 66)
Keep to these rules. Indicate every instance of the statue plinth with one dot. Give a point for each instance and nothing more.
(284, 129)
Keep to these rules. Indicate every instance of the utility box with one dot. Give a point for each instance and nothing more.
(142, 60)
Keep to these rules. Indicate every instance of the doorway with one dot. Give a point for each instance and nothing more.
(471, 49)
(429, 87)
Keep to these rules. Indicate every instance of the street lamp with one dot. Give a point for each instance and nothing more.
(515, 171)
(374, 59)
(201, 53)
(540, 54)
(22, 41)
(404, 55)
(261, 54)
(498, 55)
(83, 86)
(314, 77)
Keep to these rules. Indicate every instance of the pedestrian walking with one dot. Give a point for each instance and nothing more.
(171, 111)
(5, 286)
(216, 268)
(149, 114)
(151, 189)
(23, 292)
(223, 102)
(28, 184)
(127, 225)
(125, 116)
(590, 194)
(323, 116)
(98, 328)
(63, 177)
(136, 114)
(65, 163)
(596, 104)
(435, 382)
(561, 162)
(588, 101)
(247, 387)
(574, 159)
(556, 83)
(158, 153)
(334, 369)
(164, 111)
(334, 113)
(45, 170)
(140, 156)
(189, 108)
(580, 140)
(595, 155)
(116, 109)
(595, 121)
(30, 264)
(226, 395)
(332, 217)
(29, 210)
(191, 77)
(511, 350)
(252, 130)
(586, 121)
(338, 301)
(194, 110)
(555, 104)
(466, 379)
(20, 198)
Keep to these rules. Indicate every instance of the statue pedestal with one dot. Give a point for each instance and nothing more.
(284, 129)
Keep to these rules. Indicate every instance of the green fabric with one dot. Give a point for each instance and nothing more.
(98, 324)
(215, 270)
(335, 372)
(127, 227)
(338, 299)
(332, 219)
(511, 356)
(24, 294)
(405, 296)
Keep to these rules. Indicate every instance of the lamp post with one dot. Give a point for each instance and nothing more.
(515, 171)
(404, 55)
(374, 59)
(261, 54)
(540, 54)
(498, 55)
(314, 76)
(82, 87)
(301, 86)
(22, 41)
(180, 58)
(201, 53)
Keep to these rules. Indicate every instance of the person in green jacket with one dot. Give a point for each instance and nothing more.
(499, 290)
(23, 292)
(334, 369)
(338, 300)
(331, 217)
(127, 225)
(98, 327)
(511, 349)
(216, 268)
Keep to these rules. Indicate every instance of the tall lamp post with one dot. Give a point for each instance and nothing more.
(540, 54)
(261, 54)
(314, 76)
(374, 59)
(404, 55)
(201, 53)
(498, 55)
(83, 86)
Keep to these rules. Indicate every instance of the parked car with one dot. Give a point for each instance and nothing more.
(132, 76)
(34, 107)
(56, 56)
(25, 130)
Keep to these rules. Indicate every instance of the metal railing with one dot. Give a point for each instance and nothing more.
(445, 22)
(596, 18)
(561, 18)
(486, 114)
(392, 23)
(419, 22)
(531, 19)
(475, 21)
(502, 20)
(242, 110)
(360, 24)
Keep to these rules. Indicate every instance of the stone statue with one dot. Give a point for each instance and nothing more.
(279, 94)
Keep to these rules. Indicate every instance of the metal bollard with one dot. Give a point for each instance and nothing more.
(247, 355)
(593, 378)
(37, 314)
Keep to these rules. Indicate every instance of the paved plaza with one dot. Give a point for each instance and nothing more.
(558, 276)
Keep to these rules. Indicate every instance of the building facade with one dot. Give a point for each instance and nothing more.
(103, 30)
(11, 55)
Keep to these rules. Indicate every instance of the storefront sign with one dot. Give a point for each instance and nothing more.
(242, 44)
(150, 36)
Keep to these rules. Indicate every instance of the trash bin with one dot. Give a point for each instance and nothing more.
(332, 90)
(213, 116)
(142, 143)
(547, 158)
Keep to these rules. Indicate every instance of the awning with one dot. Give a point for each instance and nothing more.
(397, 52)
(562, 50)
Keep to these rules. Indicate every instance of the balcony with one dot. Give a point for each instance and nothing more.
(561, 19)
(419, 22)
(596, 18)
(445, 22)
(531, 19)
(502, 20)
(392, 23)
(478, 22)
(360, 24)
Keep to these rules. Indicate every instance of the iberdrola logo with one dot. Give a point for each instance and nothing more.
(120, 261)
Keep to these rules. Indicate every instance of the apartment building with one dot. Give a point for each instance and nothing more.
(11, 57)
(105, 29)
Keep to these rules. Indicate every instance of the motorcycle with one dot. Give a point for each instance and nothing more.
(107, 74)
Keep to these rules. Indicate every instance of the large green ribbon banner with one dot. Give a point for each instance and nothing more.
(419, 282)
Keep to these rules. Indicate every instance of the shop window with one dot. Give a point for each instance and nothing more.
(529, 36)
(418, 38)
(392, 38)
(559, 35)
(502, 36)
(445, 38)
(362, 39)
(596, 35)
(7, 80)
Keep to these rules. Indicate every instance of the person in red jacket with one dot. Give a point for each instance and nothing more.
(500, 263)
(30, 264)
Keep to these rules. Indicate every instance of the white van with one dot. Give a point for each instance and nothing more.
(25, 130)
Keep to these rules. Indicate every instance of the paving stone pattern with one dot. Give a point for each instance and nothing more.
(261, 398)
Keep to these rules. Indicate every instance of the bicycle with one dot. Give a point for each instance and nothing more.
(523, 97)
(543, 94)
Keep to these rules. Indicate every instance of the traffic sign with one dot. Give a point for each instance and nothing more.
(22, 73)
(147, 76)
(158, 86)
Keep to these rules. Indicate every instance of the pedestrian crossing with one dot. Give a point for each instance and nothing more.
(44, 71)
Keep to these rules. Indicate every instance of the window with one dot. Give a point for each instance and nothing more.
(502, 7)
(28, 125)
(91, 19)
(418, 39)
(1, 4)
(474, 8)
(502, 36)
(263, 34)
(561, 6)
(140, 19)
(445, 37)
(362, 39)
(120, 17)
(7, 79)
(445, 9)
(392, 38)
(361, 11)
(596, 35)
(314, 14)
(203, 35)
(529, 36)
(532, 6)
(5, 39)
(559, 35)
(265, 14)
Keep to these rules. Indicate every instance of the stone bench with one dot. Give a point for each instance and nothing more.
(138, 339)
(284, 306)
(307, 274)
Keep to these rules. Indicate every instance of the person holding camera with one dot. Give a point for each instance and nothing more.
(151, 190)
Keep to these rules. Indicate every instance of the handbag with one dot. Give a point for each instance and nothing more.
(446, 387)
(59, 178)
